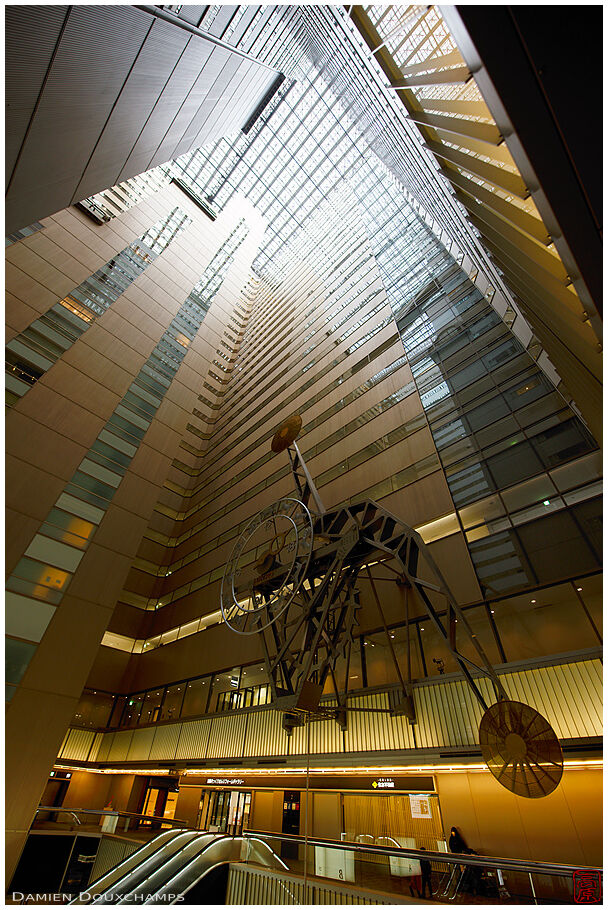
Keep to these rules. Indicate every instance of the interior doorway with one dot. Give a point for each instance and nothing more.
(54, 794)
(154, 804)
(291, 823)
(228, 811)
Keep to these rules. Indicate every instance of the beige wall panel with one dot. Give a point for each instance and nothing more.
(186, 809)
(449, 715)
(454, 562)
(420, 501)
(136, 495)
(172, 417)
(326, 815)
(193, 739)
(582, 792)
(100, 577)
(88, 791)
(181, 393)
(109, 670)
(121, 531)
(131, 620)
(141, 334)
(30, 758)
(75, 640)
(70, 256)
(55, 237)
(18, 315)
(165, 742)
(227, 736)
(262, 811)
(95, 746)
(146, 306)
(369, 731)
(528, 829)
(30, 490)
(105, 746)
(53, 278)
(85, 391)
(119, 747)
(97, 341)
(149, 464)
(141, 742)
(77, 364)
(50, 409)
(265, 735)
(125, 791)
(325, 737)
(28, 288)
(555, 693)
(163, 439)
(22, 530)
(78, 745)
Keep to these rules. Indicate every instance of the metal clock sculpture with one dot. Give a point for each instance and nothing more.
(295, 578)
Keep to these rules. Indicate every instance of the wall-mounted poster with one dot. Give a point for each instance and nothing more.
(420, 806)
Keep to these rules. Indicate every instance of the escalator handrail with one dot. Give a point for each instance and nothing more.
(136, 855)
(72, 810)
(134, 869)
(133, 887)
(490, 862)
(234, 841)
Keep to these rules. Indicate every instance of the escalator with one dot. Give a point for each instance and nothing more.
(177, 865)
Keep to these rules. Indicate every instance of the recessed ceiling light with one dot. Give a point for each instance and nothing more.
(532, 601)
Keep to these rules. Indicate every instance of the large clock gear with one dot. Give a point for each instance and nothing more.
(267, 566)
(296, 577)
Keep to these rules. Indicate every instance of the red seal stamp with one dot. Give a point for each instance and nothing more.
(587, 886)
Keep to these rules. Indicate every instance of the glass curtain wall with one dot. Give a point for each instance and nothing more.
(513, 452)
(552, 621)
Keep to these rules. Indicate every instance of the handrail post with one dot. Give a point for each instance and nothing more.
(532, 887)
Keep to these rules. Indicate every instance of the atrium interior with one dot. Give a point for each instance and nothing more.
(303, 387)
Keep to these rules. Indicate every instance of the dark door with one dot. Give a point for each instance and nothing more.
(291, 822)
(54, 794)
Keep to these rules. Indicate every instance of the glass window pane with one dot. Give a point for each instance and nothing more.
(172, 702)
(555, 547)
(18, 655)
(132, 709)
(151, 707)
(436, 654)
(224, 682)
(590, 589)
(195, 699)
(540, 623)
(515, 464)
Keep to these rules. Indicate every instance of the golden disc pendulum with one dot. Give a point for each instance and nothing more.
(286, 433)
